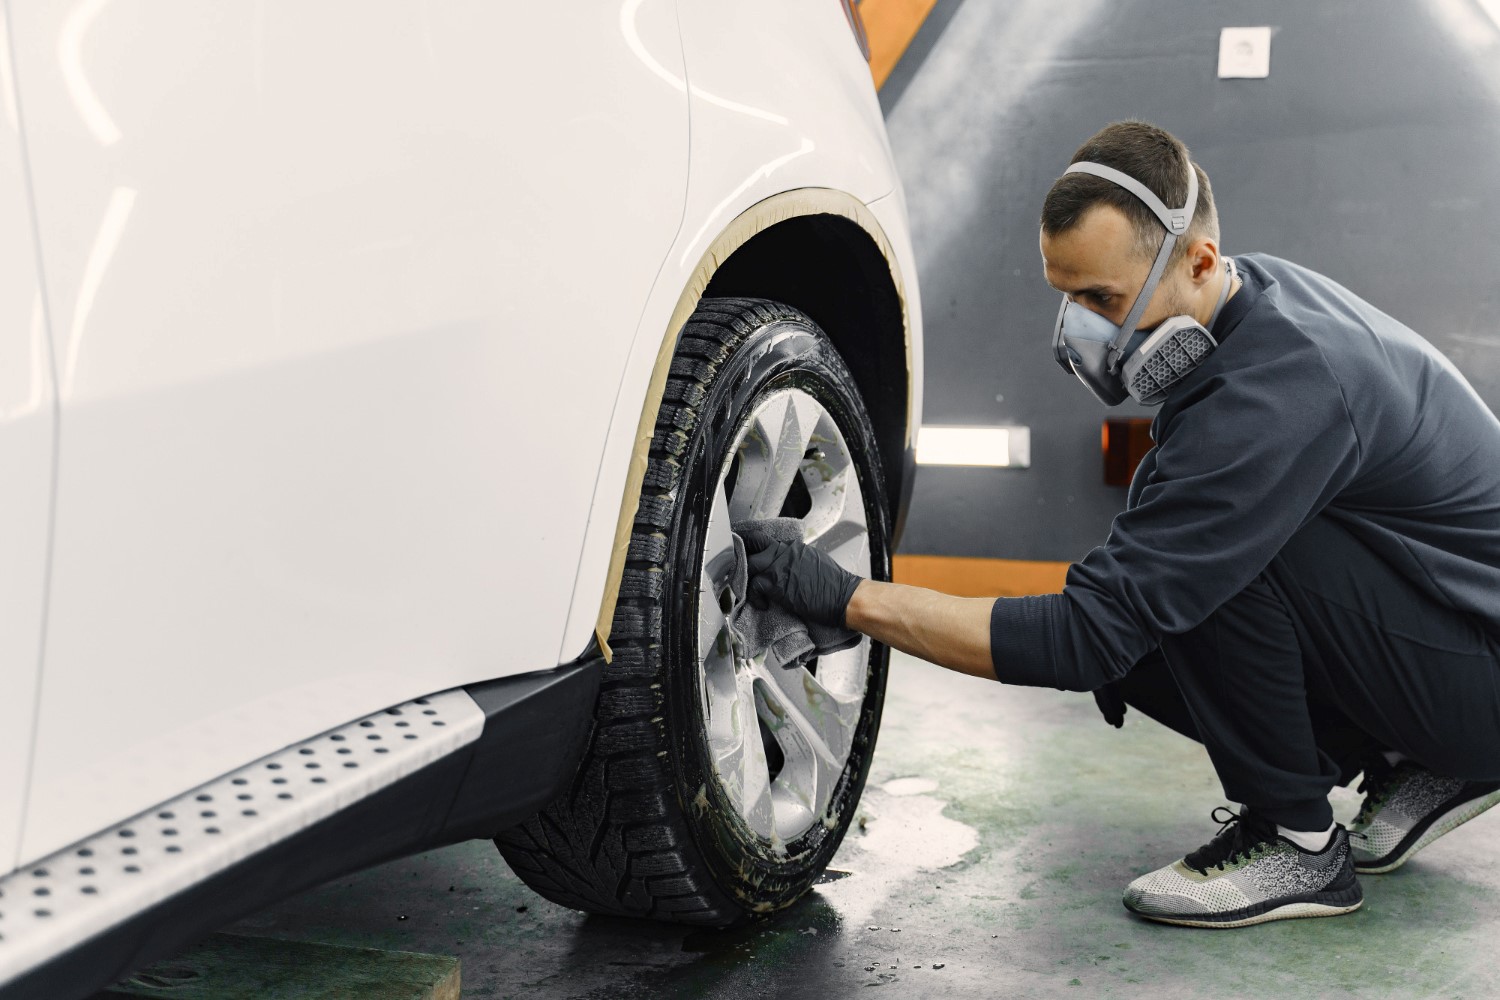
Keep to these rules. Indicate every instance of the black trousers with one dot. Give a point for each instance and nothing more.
(1325, 658)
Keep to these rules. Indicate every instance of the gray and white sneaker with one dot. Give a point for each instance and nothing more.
(1248, 875)
(1406, 808)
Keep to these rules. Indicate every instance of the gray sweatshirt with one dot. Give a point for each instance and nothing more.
(1316, 403)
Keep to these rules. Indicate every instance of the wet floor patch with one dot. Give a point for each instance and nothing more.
(911, 785)
(900, 834)
(909, 831)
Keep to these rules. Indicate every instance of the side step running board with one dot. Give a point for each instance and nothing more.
(64, 899)
(461, 764)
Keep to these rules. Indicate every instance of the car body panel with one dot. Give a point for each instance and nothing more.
(28, 425)
(762, 126)
(301, 474)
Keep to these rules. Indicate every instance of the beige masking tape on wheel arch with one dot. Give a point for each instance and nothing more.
(755, 220)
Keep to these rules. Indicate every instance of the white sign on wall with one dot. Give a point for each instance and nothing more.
(1245, 53)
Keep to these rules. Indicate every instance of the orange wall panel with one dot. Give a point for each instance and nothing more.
(968, 577)
(890, 26)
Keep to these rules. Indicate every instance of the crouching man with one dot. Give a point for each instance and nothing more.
(1306, 577)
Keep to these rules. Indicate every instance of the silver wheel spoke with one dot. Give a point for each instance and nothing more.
(848, 542)
(715, 579)
(772, 456)
(836, 523)
(844, 672)
(830, 478)
(718, 547)
(721, 690)
(825, 719)
(837, 518)
(740, 760)
(713, 637)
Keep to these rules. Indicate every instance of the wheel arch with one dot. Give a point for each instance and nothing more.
(824, 252)
(833, 270)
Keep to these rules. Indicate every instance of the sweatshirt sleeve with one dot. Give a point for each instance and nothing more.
(1242, 464)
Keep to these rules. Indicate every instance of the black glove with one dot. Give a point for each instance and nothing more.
(1111, 704)
(801, 579)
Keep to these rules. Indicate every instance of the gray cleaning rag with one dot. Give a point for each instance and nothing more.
(789, 640)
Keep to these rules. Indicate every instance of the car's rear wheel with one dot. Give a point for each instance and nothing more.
(716, 786)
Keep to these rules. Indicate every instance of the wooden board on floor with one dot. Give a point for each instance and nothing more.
(240, 967)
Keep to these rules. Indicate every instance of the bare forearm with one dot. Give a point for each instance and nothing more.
(953, 632)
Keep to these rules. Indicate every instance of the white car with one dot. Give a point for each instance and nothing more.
(379, 383)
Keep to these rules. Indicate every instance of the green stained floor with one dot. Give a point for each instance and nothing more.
(999, 829)
(239, 967)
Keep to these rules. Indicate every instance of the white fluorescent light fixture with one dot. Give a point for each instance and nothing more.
(995, 447)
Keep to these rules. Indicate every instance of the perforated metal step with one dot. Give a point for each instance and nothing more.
(67, 898)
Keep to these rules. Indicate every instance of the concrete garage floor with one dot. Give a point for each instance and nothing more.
(1000, 826)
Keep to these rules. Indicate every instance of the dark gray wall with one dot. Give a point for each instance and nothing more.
(1371, 154)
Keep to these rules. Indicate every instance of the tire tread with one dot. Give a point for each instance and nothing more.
(615, 844)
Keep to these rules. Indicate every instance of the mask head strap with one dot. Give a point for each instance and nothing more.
(1230, 273)
(1174, 220)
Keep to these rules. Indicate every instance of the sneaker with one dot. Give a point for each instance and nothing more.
(1406, 808)
(1248, 875)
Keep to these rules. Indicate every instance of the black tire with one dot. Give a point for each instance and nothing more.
(646, 830)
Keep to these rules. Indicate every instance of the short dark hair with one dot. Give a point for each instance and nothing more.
(1152, 156)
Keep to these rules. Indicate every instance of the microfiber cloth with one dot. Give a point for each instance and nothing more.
(790, 641)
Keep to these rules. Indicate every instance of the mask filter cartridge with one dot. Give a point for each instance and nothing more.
(1174, 348)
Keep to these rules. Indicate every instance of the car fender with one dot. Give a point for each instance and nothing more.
(623, 468)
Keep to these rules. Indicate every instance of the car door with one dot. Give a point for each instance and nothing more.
(341, 293)
(27, 426)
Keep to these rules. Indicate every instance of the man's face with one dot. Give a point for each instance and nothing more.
(1097, 264)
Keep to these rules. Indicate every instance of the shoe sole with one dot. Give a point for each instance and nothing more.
(1292, 911)
(1328, 902)
(1446, 823)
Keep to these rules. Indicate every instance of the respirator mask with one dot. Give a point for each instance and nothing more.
(1119, 361)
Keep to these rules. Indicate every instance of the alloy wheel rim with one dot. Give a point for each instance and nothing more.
(780, 735)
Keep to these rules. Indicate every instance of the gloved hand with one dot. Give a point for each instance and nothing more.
(801, 579)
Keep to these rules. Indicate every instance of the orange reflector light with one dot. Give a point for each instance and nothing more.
(1126, 441)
